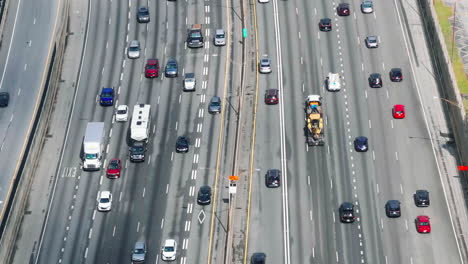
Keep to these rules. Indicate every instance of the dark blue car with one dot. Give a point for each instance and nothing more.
(360, 144)
(107, 96)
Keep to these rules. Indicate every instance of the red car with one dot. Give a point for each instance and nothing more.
(114, 168)
(398, 111)
(422, 224)
(343, 9)
(152, 68)
(271, 96)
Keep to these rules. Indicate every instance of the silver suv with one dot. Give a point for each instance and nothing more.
(139, 252)
(220, 37)
(215, 105)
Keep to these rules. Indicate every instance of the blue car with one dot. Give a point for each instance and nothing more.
(360, 144)
(107, 96)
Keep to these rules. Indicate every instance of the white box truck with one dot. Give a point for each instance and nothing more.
(93, 146)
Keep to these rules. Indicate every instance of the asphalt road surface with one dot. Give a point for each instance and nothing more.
(154, 200)
(319, 179)
(26, 48)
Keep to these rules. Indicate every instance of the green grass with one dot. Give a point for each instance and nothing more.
(444, 13)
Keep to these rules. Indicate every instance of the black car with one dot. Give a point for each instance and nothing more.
(343, 9)
(204, 195)
(137, 151)
(258, 258)
(4, 99)
(392, 208)
(375, 80)
(360, 144)
(421, 198)
(182, 144)
(347, 212)
(396, 75)
(325, 24)
(143, 15)
(273, 178)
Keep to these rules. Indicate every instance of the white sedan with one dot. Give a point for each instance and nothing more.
(263, 1)
(121, 115)
(104, 201)
(169, 250)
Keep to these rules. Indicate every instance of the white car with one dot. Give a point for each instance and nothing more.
(169, 250)
(372, 42)
(220, 37)
(263, 1)
(121, 115)
(333, 82)
(189, 82)
(264, 66)
(104, 201)
(367, 7)
(133, 50)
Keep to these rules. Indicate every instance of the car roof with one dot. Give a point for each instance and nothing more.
(114, 160)
(372, 37)
(361, 138)
(347, 205)
(171, 60)
(134, 43)
(181, 138)
(396, 70)
(122, 107)
(272, 91)
(273, 172)
(169, 243)
(215, 99)
(190, 75)
(205, 188)
(219, 31)
(423, 218)
(343, 5)
(422, 192)
(107, 89)
(4, 94)
(399, 106)
(375, 75)
(105, 194)
(325, 20)
(393, 202)
(143, 9)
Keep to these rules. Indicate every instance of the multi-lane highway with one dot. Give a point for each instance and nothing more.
(297, 223)
(319, 179)
(154, 200)
(25, 53)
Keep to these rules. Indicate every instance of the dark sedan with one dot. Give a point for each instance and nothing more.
(182, 144)
(421, 198)
(361, 144)
(325, 24)
(171, 70)
(273, 178)
(396, 75)
(375, 80)
(392, 208)
(204, 195)
(4, 99)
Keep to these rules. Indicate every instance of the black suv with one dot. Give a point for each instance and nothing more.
(137, 151)
(325, 24)
(273, 178)
(143, 15)
(361, 144)
(392, 208)
(396, 75)
(4, 99)
(347, 212)
(204, 195)
(182, 144)
(258, 258)
(375, 80)
(421, 198)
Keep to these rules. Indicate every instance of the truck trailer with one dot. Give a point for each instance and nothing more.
(93, 146)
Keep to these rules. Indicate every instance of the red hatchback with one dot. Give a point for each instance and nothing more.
(114, 168)
(152, 68)
(422, 224)
(398, 111)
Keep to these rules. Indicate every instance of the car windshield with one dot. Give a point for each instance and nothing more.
(113, 165)
(220, 35)
(104, 200)
(133, 48)
(367, 4)
(139, 149)
(138, 251)
(196, 34)
(171, 66)
(214, 103)
(91, 156)
(265, 62)
(121, 112)
(106, 94)
(399, 112)
(144, 12)
(169, 249)
(151, 67)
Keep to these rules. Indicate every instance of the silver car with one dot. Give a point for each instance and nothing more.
(367, 7)
(189, 82)
(264, 66)
(220, 37)
(215, 105)
(372, 42)
(139, 252)
(133, 50)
